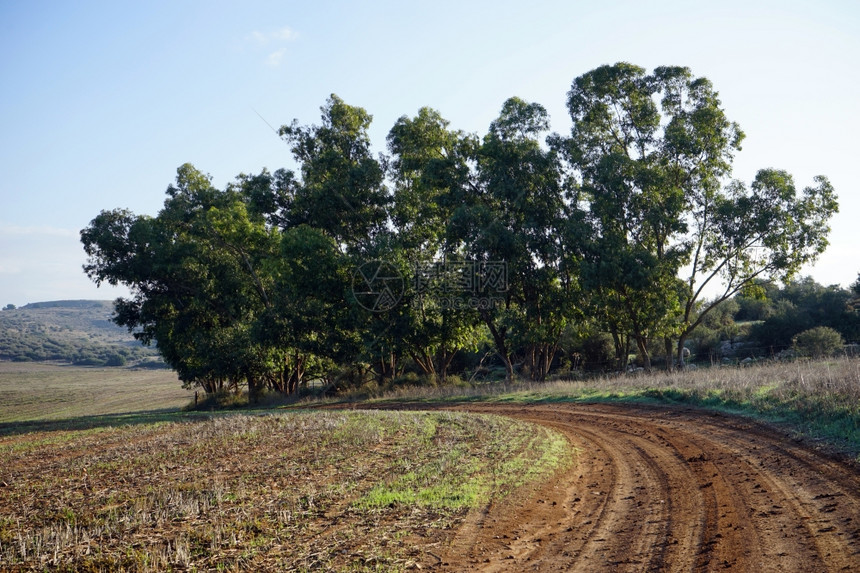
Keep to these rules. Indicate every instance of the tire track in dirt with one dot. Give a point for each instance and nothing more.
(658, 488)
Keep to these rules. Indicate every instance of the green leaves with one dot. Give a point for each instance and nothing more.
(654, 183)
(252, 284)
(342, 190)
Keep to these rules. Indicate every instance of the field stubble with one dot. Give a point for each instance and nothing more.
(295, 491)
(334, 490)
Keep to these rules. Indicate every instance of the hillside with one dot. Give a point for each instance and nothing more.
(75, 331)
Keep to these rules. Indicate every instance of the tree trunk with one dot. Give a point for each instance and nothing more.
(541, 357)
(501, 346)
(669, 352)
(616, 341)
(442, 362)
(626, 359)
(642, 346)
(622, 348)
(509, 367)
(424, 362)
(681, 340)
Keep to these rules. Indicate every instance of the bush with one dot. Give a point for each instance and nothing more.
(408, 379)
(706, 345)
(598, 352)
(115, 359)
(818, 342)
(753, 309)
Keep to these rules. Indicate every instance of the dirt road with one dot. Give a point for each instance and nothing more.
(668, 489)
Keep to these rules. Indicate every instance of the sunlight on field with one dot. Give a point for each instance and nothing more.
(820, 399)
(38, 391)
(290, 491)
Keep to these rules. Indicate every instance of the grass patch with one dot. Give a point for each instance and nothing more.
(49, 392)
(287, 491)
(456, 475)
(817, 399)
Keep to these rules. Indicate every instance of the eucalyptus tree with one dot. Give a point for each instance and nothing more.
(430, 168)
(342, 190)
(634, 189)
(197, 274)
(741, 236)
(341, 193)
(654, 153)
(309, 318)
(514, 215)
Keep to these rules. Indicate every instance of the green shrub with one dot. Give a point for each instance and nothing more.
(115, 359)
(598, 352)
(818, 342)
(409, 379)
(706, 344)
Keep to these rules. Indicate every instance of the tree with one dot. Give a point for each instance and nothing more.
(341, 191)
(9, 307)
(309, 320)
(633, 185)
(197, 273)
(223, 281)
(342, 194)
(653, 152)
(741, 236)
(513, 214)
(430, 169)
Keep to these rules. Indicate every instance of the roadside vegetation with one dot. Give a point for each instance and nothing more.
(818, 399)
(301, 491)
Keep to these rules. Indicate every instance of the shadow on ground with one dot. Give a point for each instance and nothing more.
(101, 421)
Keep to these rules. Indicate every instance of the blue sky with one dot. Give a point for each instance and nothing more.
(102, 101)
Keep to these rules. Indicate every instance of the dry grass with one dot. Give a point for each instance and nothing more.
(38, 391)
(298, 491)
(820, 399)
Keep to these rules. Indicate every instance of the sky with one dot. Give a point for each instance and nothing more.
(100, 102)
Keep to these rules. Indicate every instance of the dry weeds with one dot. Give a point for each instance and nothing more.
(818, 398)
(292, 492)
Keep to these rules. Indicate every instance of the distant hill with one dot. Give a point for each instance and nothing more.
(75, 331)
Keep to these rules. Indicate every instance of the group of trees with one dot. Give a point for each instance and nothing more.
(769, 320)
(618, 227)
(785, 313)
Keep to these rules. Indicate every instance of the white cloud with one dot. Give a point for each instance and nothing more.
(284, 34)
(273, 40)
(275, 58)
(258, 37)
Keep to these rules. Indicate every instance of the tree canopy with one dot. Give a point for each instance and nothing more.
(509, 243)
